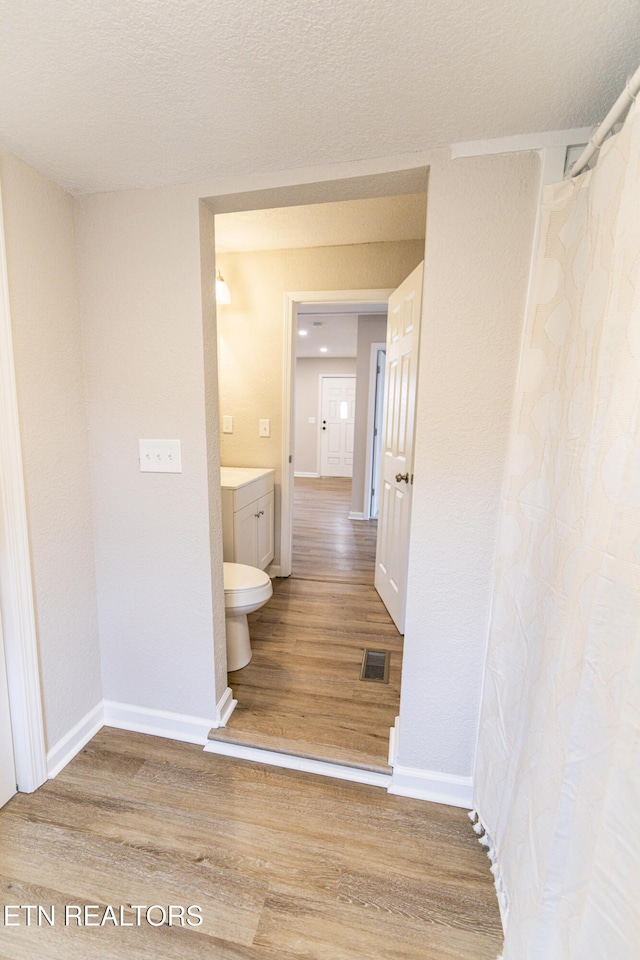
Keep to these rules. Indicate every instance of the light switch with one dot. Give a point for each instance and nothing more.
(227, 424)
(265, 428)
(160, 456)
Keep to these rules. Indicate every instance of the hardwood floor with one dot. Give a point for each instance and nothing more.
(284, 865)
(326, 544)
(301, 693)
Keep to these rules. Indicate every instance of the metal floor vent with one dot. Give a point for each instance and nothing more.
(375, 665)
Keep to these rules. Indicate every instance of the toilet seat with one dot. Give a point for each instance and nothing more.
(245, 586)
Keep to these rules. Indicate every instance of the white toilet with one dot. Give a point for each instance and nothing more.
(245, 589)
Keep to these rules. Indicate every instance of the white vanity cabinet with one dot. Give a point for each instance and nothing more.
(247, 515)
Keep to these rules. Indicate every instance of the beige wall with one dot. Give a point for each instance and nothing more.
(251, 332)
(43, 292)
(479, 236)
(371, 329)
(140, 272)
(145, 360)
(307, 404)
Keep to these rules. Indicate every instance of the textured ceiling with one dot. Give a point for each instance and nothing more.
(323, 224)
(104, 94)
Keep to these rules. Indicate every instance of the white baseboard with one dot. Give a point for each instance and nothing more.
(66, 748)
(301, 473)
(158, 723)
(305, 765)
(394, 733)
(225, 707)
(433, 786)
(275, 570)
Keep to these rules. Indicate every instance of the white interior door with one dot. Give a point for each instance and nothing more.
(337, 409)
(392, 548)
(7, 764)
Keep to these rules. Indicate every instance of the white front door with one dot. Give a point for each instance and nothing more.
(337, 415)
(392, 548)
(7, 764)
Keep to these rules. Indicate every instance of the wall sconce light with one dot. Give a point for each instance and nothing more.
(223, 294)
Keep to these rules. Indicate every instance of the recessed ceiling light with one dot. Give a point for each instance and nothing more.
(323, 349)
(302, 333)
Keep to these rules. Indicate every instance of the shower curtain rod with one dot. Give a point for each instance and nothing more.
(623, 102)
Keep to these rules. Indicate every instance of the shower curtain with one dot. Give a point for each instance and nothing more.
(558, 765)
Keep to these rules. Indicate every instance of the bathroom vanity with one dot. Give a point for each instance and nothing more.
(247, 515)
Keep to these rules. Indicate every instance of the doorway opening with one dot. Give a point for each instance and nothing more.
(333, 401)
(297, 696)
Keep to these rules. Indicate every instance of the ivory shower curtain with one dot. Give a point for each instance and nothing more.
(558, 764)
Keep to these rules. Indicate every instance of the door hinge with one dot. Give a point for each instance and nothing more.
(290, 458)
(375, 431)
(377, 369)
(411, 479)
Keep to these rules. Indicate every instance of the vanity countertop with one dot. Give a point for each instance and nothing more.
(232, 478)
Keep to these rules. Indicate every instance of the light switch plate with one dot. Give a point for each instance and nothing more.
(227, 424)
(160, 456)
(265, 428)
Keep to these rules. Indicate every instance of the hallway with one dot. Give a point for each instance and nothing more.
(301, 693)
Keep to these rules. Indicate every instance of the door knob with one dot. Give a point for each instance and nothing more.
(402, 476)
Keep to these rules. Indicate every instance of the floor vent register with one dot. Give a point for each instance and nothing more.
(375, 665)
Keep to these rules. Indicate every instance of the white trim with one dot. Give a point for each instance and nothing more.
(357, 515)
(16, 586)
(225, 707)
(523, 141)
(73, 741)
(394, 737)
(304, 473)
(432, 785)
(292, 762)
(291, 301)
(274, 570)
(158, 723)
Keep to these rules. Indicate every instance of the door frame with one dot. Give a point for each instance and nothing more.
(291, 301)
(16, 585)
(328, 376)
(371, 414)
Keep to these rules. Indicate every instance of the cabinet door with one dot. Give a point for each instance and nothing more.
(245, 535)
(265, 530)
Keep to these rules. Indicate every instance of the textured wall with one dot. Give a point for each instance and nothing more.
(212, 416)
(43, 291)
(140, 272)
(479, 237)
(251, 332)
(307, 404)
(371, 329)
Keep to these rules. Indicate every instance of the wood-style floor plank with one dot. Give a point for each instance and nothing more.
(326, 544)
(302, 694)
(285, 865)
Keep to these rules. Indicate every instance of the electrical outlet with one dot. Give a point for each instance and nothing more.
(227, 424)
(160, 456)
(265, 428)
